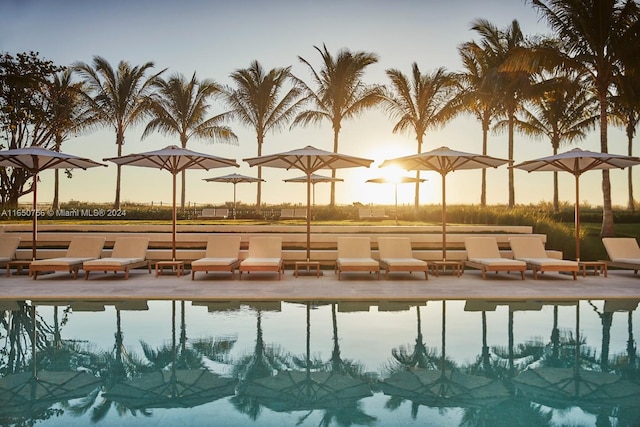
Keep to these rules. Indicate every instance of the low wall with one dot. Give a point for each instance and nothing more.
(191, 240)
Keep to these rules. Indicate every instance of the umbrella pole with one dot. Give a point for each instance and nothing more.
(577, 218)
(308, 217)
(34, 231)
(396, 185)
(234, 200)
(173, 216)
(444, 219)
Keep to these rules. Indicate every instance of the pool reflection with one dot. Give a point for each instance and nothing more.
(320, 363)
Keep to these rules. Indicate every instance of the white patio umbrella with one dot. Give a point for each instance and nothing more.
(444, 160)
(175, 160)
(315, 178)
(395, 182)
(309, 160)
(35, 160)
(234, 178)
(576, 162)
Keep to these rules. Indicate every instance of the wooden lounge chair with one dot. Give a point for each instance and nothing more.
(623, 252)
(396, 255)
(8, 248)
(128, 253)
(531, 250)
(223, 254)
(354, 254)
(265, 254)
(81, 249)
(483, 253)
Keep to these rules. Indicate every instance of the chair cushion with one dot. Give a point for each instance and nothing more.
(498, 262)
(550, 262)
(261, 262)
(60, 261)
(214, 262)
(114, 262)
(527, 247)
(357, 262)
(404, 262)
(394, 247)
(482, 247)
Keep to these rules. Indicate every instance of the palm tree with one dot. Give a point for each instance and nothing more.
(256, 102)
(510, 86)
(564, 114)
(598, 36)
(477, 96)
(117, 97)
(625, 112)
(419, 103)
(340, 92)
(179, 107)
(68, 114)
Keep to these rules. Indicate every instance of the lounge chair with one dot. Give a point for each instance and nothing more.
(354, 254)
(396, 255)
(8, 248)
(531, 250)
(223, 254)
(483, 253)
(81, 249)
(127, 253)
(623, 252)
(265, 254)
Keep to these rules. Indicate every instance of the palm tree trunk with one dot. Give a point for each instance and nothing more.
(607, 229)
(259, 190)
(119, 143)
(631, 205)
(336, 132)
(183, 190)
(512, 191)
(556, 199)
(417, 195)
(483, 189)
(56, 185)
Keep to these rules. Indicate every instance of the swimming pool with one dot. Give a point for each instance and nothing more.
(276, 363)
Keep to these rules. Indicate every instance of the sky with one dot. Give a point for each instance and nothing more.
(214, 38)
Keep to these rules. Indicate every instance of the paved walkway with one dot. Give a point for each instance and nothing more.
(354, 286)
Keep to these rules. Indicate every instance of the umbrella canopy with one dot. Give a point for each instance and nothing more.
(35, 160)
(577, 162)
(24, 395)
(234, 178)
(175, 160)
(181, 388)
(309, 160)
(443, 387)
(444, 160)
(395, 182)
(315, 178)
(293, 390)
(574, 386)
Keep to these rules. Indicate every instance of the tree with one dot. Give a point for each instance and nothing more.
(25, 118)
(625, 112)
(563, 113)
(419, 103)
(477, 96)
(340, 92)
(117, 97)
(179, 107)
(510, 85)
(68, 115)
(598, 36)
(256, 102)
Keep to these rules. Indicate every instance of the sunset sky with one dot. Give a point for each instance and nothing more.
(214, 38)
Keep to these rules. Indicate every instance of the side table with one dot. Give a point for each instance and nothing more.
(308, 265)
(598, 267)
(19, 264)
(177, 266)
(456, 266)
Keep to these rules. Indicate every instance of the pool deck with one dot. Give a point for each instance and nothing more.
(620, 284)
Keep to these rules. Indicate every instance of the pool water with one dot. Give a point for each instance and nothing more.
(346, 363)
